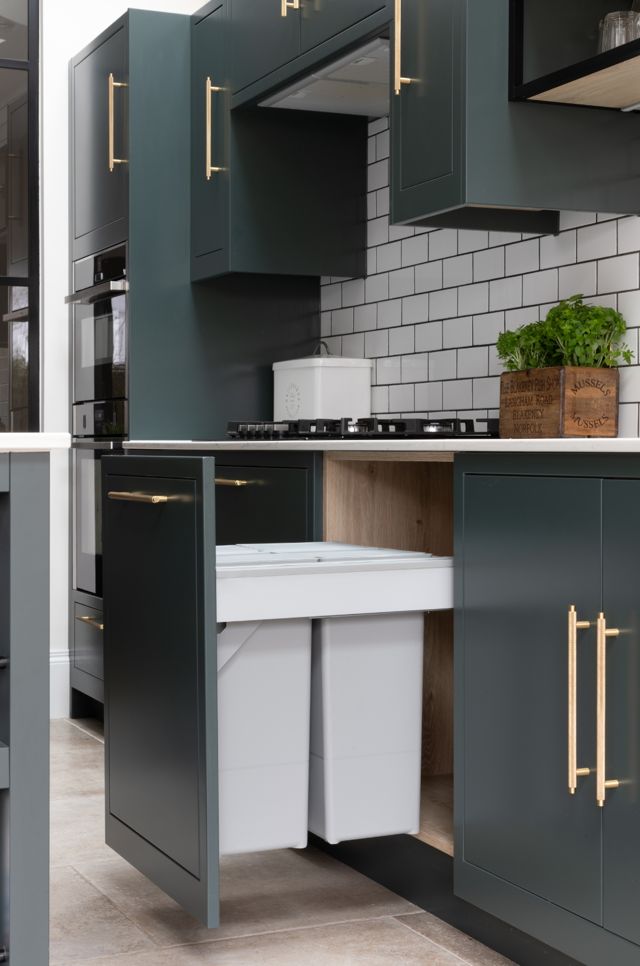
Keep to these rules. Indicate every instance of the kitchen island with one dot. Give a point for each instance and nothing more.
(24, 690)
(541, 527)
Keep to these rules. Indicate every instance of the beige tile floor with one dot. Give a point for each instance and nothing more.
(283, 908)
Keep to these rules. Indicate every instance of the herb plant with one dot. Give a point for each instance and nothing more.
(573, 334)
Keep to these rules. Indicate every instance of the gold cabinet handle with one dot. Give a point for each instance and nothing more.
(398, 79)
(132, 497)
(112, 122)
(602, 784)
(221, 481)
(574, 626)
(288, 5)
(91, 621)
(209, 89)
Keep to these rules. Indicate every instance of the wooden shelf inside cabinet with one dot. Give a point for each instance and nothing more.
(610, 80)
(4, 765)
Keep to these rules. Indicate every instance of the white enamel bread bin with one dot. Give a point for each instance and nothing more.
(322, 387)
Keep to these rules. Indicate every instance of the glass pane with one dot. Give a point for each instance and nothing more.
(14, 40)
(14, 359)
(14, 129)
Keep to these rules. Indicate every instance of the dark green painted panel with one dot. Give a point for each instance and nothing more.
(323, 19)
(262, 39)
(520, 823)
(273, 508)
(621, 605)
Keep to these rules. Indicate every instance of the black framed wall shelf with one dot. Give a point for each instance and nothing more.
(562, 66)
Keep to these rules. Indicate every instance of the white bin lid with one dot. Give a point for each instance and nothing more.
(324, 362)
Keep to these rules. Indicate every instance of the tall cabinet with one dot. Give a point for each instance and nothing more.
(548, 692)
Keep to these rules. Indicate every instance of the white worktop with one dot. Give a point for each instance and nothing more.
(33, 442)
(478, 445)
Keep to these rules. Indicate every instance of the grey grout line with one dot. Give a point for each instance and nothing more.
(434, 942)
(85, 731)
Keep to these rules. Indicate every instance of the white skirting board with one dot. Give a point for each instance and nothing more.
(59, 688)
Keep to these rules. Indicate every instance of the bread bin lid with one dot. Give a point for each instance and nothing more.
(323, 362)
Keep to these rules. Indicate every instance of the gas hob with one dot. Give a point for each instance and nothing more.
(370, 428)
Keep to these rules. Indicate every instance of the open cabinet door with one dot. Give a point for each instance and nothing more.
(161, 738)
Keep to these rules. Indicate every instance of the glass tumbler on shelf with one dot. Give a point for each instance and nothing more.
(618, 28)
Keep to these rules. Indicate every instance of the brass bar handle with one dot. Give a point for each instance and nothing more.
(288, 5)
(209, 168)
(398, 79)
(602, 784)
(131, 497)
(221, 481)
(574, 625)
(91, 621)
(112, 122)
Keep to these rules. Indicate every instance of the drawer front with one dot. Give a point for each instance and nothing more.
(270, 504)
(88, 640)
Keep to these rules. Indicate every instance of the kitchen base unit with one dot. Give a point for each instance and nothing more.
(547, 698)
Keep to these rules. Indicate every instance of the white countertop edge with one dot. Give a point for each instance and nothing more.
(480, 445)
(33, 442)
(273, 569)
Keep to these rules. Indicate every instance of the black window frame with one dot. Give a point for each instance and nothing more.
(32, 280)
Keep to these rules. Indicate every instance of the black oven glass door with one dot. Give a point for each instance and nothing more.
(88, 519)
(100, 349)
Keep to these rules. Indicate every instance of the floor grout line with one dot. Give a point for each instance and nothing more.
(85, 731)
(436, 943)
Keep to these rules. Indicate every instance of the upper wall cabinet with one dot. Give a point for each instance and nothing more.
(273, 191)
(465, 156)
(266, 35)
(324, 19)
(99, 142)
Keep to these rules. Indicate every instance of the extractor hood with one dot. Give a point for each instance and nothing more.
(356, 84)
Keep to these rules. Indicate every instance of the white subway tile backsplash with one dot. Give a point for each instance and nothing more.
(402, 399)
(443, 243)
(540, 287)
(415, 308)
(628, 419)
(380, 399)
(473, 362)
(503, 238)
(372, 210)
(488, 264)
(353, 346)
(487, 327)
(558, 250)
(618, 274)
(376, 288)
(505, 293)
(377, 231)
(372, 261)
(630, 384)
(473, 299)
(353, 292)
(597, 241)
(429, 336)
(401, 282)
(330, 297)
(575, 219)
(457, 332)
(379, 125)
(398, 232)
(389, 256)
(442, 365)
(415, 250)
(402, 340)
(457, 394)
(378, 175)
(428, 276)
(629, 235)
(389, 313)
(341, 321)
(443, 304)
(523, 257)
(383, 201)
(415, 367)
(365, 317)
(629, 307)
(428, 397)
(388, 370)
(486, 393)
(457, 271)
(325, 324)
(577, 280)
(472, 241)
(382, 145)
(376, 343)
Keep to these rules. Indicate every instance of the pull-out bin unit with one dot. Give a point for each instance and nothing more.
(366, 688)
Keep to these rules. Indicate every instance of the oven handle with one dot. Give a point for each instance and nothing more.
(96, 292)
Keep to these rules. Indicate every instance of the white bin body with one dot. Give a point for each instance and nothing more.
(318, 387)
(366, 726)
(263, 735)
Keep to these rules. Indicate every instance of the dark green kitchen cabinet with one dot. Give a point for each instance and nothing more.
(265, 36)
(535, 537)
(267, 196)
(464, 156)
(100, 142)
(324, 19)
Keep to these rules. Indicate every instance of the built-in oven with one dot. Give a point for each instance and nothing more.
(87, 454)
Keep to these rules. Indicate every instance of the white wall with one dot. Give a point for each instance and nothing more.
(65, 29)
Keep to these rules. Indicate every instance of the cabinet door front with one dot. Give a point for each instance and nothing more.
(621, 606)
(99, 186)
(210, 163)
(427, 116)
(263, 39)
(323, 19)
(532, 548)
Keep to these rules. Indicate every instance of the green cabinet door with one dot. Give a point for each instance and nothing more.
(427, 116)
(100, 188)
(160, 674)
(263, 39)
(621, 606)
(324, 19)
(531, 548)
(209, 188)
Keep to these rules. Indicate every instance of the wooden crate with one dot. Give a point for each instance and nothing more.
(561, 401)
